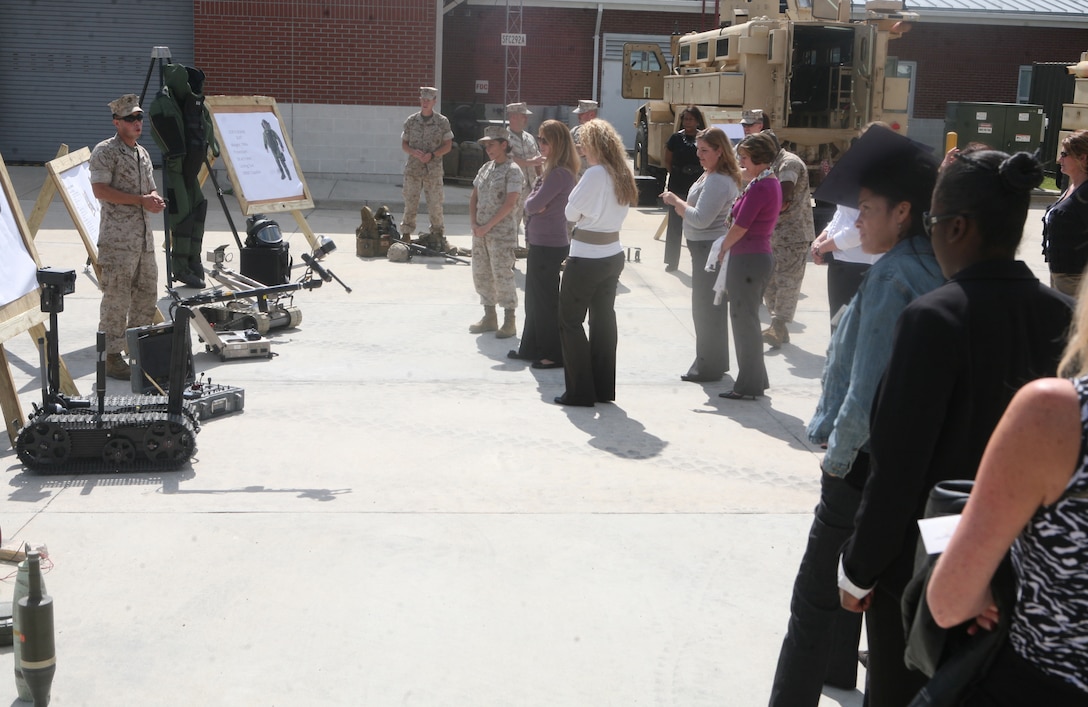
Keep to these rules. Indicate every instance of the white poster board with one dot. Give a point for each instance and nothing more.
(18, 267)
(259, 157)
(72, 176)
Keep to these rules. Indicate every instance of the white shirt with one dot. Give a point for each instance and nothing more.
(592, 206)
(844, 234)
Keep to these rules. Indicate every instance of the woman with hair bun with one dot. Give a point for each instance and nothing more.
(959, 354)
(1030, 498)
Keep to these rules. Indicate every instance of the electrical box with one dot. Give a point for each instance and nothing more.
(1009, 127)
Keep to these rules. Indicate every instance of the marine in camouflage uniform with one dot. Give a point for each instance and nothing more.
(790, 242)
(494, 232)
(426, 138)
(122, 179)
(525, 153)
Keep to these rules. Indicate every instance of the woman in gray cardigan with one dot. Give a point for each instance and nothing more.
(706, 215)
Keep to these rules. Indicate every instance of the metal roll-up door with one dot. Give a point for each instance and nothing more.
(62, 62)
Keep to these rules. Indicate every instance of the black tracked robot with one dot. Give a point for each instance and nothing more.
(115, 433)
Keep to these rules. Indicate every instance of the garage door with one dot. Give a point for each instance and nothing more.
(62, 62)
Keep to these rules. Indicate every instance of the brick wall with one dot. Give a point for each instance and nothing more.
(556, 63)
(317, 51)
(978, 63)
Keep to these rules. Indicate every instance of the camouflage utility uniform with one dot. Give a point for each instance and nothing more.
(523, 147)
(426, 133)
(493, 254)
(790, 242)
(126, 249)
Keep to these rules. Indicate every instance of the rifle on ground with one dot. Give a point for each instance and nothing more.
(419, 249)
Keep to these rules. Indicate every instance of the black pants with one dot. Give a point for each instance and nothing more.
(674, 234)
(745, 280)
(890, 682)
(821, 642)
(540, 335)
(589, 286)
(843, 281)
(711, 321)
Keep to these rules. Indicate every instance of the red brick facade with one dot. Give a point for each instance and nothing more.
(556, 63)
(377, 52)
(980, 62)
(356, 52)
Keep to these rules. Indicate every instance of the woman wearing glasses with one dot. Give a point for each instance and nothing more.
(548, 237)
(1065, 225)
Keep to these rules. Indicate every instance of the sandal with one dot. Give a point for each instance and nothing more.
(734, 395)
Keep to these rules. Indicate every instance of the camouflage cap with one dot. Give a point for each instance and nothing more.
(751, 117)
(495, 132)
(518, 108)
(126, 105)
(585, 107)
(429, 93)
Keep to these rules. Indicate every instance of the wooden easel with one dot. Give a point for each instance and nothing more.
(240, 152)
(21, 314)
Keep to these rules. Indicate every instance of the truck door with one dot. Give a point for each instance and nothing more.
(861, 104)
(644, 71)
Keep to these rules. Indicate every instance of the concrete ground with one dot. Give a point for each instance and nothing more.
(401, 516)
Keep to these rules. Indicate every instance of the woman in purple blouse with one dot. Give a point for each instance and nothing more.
(748, 242)
(549, 241)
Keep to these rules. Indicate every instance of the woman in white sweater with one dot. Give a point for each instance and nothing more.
(597, 206)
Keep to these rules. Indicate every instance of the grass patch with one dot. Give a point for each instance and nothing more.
(1049, 183)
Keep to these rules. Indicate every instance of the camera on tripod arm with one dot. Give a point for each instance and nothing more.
(54, 285)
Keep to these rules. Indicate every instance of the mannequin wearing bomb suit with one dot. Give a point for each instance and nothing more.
(182, 128)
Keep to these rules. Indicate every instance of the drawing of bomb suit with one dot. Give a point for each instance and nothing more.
(182, 128)
(273, 143)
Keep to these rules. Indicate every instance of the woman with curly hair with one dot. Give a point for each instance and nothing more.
(597, 206)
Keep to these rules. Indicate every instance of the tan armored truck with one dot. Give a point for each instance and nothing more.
(817, 73)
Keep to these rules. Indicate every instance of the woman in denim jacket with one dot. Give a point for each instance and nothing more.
(822, 639)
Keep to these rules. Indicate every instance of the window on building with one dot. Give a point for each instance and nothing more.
(1023, 85)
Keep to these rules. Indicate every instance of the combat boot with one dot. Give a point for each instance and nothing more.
(116, 367)
(776, 334)
(490, 322)
(509, 327)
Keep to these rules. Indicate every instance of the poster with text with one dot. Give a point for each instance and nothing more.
(85, 208)
(264, 167)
